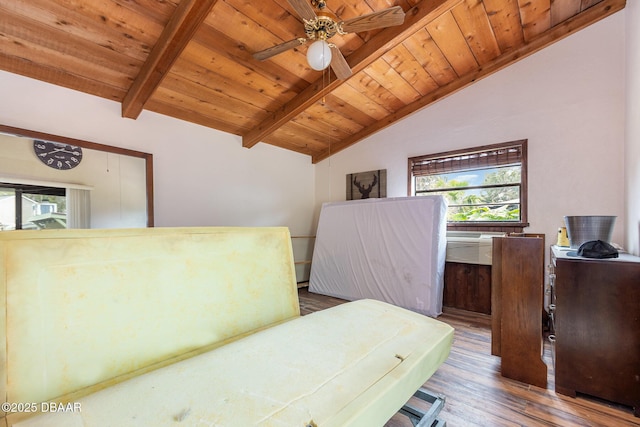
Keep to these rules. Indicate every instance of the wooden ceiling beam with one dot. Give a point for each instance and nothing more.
(584, 19)
(181, 27)
(380, 44)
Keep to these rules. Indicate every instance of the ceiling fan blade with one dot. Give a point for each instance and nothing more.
(371, 21)
(303, 8)
(339, 64)
(279, 48)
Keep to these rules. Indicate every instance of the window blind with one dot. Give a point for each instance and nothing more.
(456, 161)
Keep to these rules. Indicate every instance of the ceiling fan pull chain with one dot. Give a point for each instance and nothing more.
(324, 73)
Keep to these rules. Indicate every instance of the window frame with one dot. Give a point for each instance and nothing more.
(505, 226)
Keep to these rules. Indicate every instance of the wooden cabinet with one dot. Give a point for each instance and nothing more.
(517, 307)
(597, 327)
(467, 287)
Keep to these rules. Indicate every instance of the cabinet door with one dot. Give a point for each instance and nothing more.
(467, 287)
(598, 329)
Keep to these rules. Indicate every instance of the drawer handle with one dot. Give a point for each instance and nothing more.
(552, 338)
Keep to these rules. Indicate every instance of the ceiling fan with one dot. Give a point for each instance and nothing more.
(322, 25)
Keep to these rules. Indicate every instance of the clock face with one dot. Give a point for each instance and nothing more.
(58, 155)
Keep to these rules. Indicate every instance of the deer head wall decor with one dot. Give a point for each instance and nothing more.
(365, 185)
(365, 190)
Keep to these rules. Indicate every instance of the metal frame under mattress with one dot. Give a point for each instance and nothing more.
(429, 418)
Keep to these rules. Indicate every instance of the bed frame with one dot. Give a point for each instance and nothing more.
(422, 418)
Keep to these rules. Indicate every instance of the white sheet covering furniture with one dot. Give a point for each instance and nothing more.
(390, 250)
(353, 365)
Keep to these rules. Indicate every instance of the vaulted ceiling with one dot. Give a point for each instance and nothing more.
(193, 59)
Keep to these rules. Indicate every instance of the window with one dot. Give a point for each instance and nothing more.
(32, 207)
(44, 208)
(485, 187)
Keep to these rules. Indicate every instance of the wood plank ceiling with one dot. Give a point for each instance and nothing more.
(192, 59)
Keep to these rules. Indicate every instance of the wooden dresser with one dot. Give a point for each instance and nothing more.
(595, 315)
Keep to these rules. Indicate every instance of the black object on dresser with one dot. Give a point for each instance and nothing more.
(596, 321)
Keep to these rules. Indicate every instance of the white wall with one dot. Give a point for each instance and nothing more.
(632, 154)
(567, 100)
(202, 177)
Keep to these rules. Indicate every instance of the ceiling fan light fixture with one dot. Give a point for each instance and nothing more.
(319, 55)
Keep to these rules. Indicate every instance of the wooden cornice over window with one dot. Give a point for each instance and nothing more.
(465, 160)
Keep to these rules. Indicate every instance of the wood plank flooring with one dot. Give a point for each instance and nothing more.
(477, 395)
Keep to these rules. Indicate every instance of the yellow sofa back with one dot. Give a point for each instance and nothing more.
(82, 309)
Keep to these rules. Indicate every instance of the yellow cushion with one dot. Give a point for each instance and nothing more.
(87, 306)
(353, 365)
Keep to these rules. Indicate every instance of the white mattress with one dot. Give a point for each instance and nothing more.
(352, 365)
(391, 250)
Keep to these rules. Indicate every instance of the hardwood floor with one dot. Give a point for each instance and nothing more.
(477, 395)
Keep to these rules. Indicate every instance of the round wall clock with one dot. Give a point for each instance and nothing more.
(58, 155)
